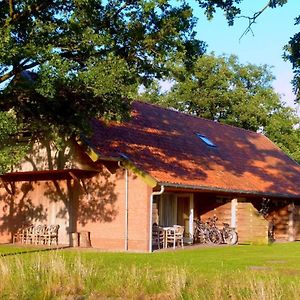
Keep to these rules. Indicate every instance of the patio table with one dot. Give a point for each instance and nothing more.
(165, 230)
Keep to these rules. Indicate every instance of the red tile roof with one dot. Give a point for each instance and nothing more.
(164, 144)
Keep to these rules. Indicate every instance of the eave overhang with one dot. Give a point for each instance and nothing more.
(208, 189)
(123, 159)
(48, 175)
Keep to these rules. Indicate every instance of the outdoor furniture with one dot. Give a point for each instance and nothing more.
(38, 234)
(174, 236)
(29, 234)
(158, 236)
(50, 235)
(33, 234)
(19, 236)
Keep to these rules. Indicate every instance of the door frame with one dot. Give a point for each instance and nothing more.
(174, 212)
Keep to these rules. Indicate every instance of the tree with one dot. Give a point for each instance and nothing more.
(13, 147)
(223, 90)
(64, 62)
(252, 19)
(90, 56)
(232, 11)
(283, 129)
(292, 53)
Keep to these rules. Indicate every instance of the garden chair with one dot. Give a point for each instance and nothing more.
(29, 234)
(157, 236)
(174, 236)
(50, 235)
(38, 234)
(19, 236)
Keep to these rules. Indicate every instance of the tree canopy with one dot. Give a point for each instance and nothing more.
(65, 62)
(87, 56)
(13, 147)
(292, 53)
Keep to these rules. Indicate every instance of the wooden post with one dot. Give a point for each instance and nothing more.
(84, 239)
(74, 239)
(291, 235)
(233, 212)
(191, 217)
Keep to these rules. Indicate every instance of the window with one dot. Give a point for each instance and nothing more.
(206, 140)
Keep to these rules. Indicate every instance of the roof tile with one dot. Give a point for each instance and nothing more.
(163, 143)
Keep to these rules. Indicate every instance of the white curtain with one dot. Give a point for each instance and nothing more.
(168, 210)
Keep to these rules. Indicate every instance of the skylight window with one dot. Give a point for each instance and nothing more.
(206, 140)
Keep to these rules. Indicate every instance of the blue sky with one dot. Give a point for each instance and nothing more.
(271, 32)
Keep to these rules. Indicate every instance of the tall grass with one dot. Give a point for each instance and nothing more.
(53, 276)
(63, 275)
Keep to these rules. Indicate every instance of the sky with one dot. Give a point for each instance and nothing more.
(271, 32)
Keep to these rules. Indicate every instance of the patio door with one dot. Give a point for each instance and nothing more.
(177, 209)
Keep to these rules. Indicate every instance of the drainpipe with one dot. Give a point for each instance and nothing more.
(126, 207)
(162, 188)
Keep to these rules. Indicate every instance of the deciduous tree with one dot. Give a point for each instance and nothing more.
(226, 91)
(292, 53)
(64, 62)
(13, 145)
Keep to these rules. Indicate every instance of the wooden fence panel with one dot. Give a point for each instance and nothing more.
(222, 211)
(251, 226)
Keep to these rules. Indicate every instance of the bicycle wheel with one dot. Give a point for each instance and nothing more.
(215, 236)
(230, 237)
(200, 237)
(196, 236)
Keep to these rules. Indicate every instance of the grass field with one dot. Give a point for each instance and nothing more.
(239, 272)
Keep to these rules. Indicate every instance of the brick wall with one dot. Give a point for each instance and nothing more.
(108, 232)
(96, 205)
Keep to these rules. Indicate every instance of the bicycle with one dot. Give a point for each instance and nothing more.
(265, 212)
(206, 232)
(229, 235)
(214, 234)
(200, 232)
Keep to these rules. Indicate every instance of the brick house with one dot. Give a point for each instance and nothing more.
(161, 166)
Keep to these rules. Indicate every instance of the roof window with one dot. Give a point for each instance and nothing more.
(206, 140)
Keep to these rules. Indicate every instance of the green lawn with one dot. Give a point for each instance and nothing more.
(239, 272)
(9, 249)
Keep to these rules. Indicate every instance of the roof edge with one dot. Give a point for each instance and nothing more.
(48, 175)
(93, 154)
(216, 189)
(96, 156)
(148, 179)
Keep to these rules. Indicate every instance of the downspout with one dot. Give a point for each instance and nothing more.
(126, 210)
(126, 207)
(162, 188)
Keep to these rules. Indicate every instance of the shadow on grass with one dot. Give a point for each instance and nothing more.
(28, 250)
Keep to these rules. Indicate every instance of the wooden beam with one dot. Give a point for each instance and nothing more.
(149, 180)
